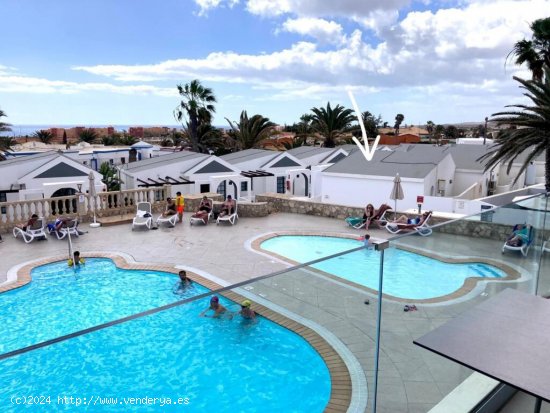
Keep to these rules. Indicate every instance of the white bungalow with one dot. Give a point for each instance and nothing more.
(44, 175)
(268, 170)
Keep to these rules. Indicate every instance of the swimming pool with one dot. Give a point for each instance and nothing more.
(216, 364)
(406, 275)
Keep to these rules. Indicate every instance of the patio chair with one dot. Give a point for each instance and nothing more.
(546, 246)
(70, 227)
(210, 215)
(32, 232)
(170, 220)
(379, 219)
(517, 242)
(143, 217)
(422, 228)
(231, 218)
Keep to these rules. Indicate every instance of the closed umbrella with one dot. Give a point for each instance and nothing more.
(397, 191)
(92, 193)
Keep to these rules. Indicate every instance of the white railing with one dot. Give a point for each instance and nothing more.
(79, 205)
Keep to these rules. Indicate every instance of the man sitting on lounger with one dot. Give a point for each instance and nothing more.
(170, 208)
(29, 224)
(204, 209)
(228, 207)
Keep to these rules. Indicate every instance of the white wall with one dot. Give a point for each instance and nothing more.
(464, 179)
(355, 190)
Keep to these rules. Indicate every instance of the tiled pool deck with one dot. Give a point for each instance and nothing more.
(410, 379)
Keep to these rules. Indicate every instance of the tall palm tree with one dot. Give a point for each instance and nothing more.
(331, 123)
(250, 132)
(43, 136)
(4, 127)
(430, 128)
(399, 118)
(534, 52)
(197, 98)
(529, 128)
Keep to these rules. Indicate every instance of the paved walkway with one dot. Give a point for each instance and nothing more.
(411, 379)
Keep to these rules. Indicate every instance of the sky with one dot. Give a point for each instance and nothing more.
(118, 62)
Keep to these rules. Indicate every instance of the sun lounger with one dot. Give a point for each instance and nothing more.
(32, 232)
(143, 216)
(522, 245)
(422, 228)
(170, 220)
(231, 218)
(379, 219)
(210, 215)
(71, 227)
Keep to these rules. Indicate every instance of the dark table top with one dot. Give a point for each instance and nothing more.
(507, 338)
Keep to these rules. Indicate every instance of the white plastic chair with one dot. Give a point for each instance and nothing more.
(231, 218)
(69, 228)
(171, 220)
(143, 217)
(423, 229)
(29, 234)
(194, 220)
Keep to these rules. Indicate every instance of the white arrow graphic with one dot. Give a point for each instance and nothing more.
(365, 149)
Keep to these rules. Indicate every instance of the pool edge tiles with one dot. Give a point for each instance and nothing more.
(340, 386)
(468, 286)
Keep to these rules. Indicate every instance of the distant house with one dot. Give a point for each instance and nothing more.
(424, 170)
(311, 156)
(187, 172)
(44, 175)
(269, 171)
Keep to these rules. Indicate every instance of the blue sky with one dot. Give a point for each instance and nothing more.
(118, 62)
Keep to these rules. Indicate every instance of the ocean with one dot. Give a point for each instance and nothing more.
(28, 130)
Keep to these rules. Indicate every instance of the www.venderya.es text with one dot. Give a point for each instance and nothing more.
(93, 400)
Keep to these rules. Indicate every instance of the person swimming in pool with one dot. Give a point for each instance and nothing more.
(183, 283)
(76, 260)
(215, 306)
(246, 312)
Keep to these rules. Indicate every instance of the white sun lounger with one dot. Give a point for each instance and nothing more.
(69, 228)
(194, 220)
(143, 216)
(231, 218)
(422, 229)
(170, 220)
(33, 232)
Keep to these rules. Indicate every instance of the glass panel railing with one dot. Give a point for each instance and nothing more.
(314, 331)
(459, 265)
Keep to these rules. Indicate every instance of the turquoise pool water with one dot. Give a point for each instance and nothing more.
(406, 275)
(218, 365)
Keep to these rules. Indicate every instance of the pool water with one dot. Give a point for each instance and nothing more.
(223, 365)
(406, 275)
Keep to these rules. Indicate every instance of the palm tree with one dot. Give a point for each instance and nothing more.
(87, 135)
(197, 98)
(248, 133)
(331, 123)
(43, 136)
(535, 52)
(371, 123)
(110, 176)
(430, 128)
(6, 142)
(529, 128)
(399, 118)
(4, 127)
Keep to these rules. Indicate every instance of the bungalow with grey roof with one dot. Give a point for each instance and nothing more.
(44, 175)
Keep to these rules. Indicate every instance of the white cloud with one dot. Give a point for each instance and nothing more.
(206, 5)
(322, 30)
(12, 83)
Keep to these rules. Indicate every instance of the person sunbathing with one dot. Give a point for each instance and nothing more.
(404, 221)
(29, 224)
(519, 237)
(170, 208)
(204, 210)
(228, 207)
